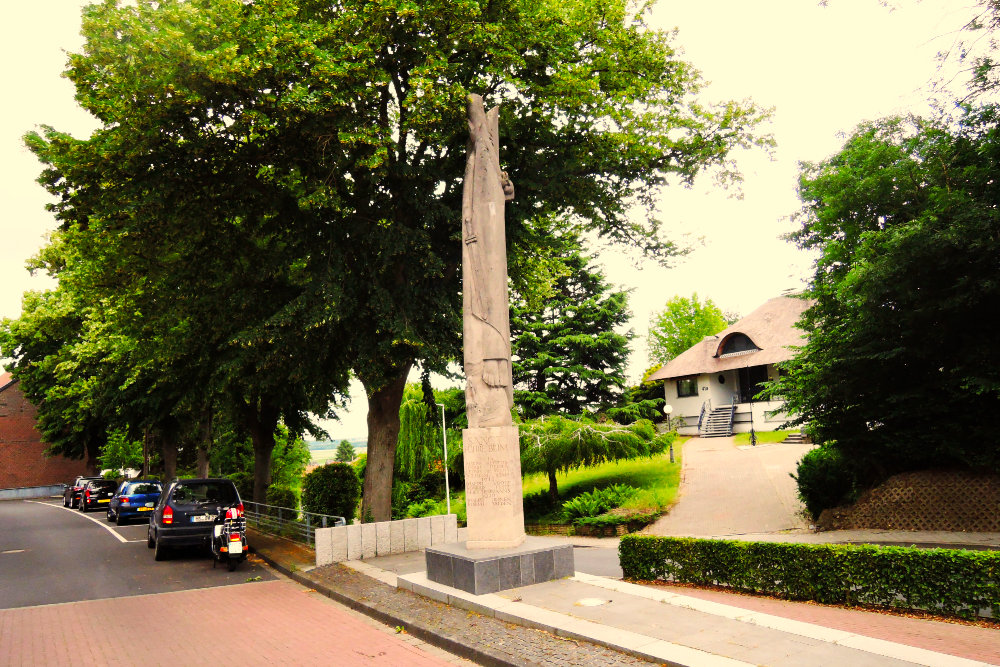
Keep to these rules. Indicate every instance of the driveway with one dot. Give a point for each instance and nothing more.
(729, 490)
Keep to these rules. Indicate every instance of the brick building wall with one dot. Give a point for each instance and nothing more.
(22, 453)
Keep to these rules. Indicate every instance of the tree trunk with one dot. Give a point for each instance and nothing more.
(204, 444)
(383, 432)
(169, 449)
(261, 420)
(553, 487)
(91, 464)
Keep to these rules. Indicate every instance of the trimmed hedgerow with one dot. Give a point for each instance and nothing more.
(947, 582)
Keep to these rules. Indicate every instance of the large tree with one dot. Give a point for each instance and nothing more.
(315, 152)
(682, 323)
(568, 355)
(898, 361)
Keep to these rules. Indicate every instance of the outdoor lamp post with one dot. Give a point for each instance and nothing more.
(667, 410)
(444, 439)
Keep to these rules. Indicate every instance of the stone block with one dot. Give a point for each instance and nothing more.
(450, 528)
(368, 540)
(563, 564)
(544, 566)
(423, 532)
(410, 542)
(382, 538)
(396, 537)
(437, 529)
(481, 571)
(354, 550)
(324, 546)
(493, 500)
(439, 568)
(338, 540)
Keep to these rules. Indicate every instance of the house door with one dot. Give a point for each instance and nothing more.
(751, 382)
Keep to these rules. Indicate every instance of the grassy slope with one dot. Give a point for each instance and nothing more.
(763, 437)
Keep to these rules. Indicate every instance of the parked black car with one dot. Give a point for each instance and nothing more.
(134, 499)
(97, 494)
(185, 514)
(71, 496)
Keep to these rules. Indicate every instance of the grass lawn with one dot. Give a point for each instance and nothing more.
(763, 437)
(656, 478)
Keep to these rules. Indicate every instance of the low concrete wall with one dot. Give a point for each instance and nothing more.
(32, 492)
(368, 540)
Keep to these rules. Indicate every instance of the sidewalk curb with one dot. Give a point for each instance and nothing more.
(424, 634)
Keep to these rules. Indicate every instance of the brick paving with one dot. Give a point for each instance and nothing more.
(276, 623)
(974, 642)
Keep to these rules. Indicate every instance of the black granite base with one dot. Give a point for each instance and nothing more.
(480, 571)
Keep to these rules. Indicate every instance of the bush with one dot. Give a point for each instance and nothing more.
(940, 581)
(538, 504)
(360, 463)
(279, 495)
(244, 484)
(597, 502)
(332, 489)
(825, 480)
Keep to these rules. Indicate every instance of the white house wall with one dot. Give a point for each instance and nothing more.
(722, 393)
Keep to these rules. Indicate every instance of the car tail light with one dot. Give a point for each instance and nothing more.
(87, 494)
(168, 514)
(234, 537)
(124, 500)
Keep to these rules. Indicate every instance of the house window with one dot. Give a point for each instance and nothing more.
(687, 387)
(738, 344)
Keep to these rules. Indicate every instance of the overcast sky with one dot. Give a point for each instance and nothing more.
(823, 69)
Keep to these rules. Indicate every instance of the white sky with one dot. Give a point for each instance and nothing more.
(824, 69)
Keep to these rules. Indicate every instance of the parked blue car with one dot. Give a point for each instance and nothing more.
(134, 499)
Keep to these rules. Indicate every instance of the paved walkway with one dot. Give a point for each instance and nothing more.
(667, 624)
(729, 490)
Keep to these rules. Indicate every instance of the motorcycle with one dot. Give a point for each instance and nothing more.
(229, 538)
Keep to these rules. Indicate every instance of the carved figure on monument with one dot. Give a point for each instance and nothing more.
(489, 390)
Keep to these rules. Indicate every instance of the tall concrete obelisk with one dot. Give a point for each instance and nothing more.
(490, 444)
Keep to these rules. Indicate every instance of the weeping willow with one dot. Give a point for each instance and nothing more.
(418, 450)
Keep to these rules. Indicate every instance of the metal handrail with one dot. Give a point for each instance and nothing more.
(288, 522)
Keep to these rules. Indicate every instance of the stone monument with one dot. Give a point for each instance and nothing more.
(496, 555)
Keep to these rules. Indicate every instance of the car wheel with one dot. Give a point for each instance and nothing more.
(159, 551)
(118, 520)
(111, 517)
(65, 502)
(149, 539)
(83, 505)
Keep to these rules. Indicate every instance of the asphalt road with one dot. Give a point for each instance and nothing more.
(50, 554)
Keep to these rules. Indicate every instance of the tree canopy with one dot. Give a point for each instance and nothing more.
(568, 356)
(682, 323)
(273, 194)
(905, 220)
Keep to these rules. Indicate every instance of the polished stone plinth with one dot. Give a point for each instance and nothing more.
(480, 571)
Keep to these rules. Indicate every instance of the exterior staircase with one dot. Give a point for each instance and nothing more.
(796, 438)
(719, 422)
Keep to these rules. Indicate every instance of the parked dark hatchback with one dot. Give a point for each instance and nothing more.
(185, 514)
(134, 499)
(97, 494)
(71, 496)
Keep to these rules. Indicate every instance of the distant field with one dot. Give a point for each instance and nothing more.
(321, 457)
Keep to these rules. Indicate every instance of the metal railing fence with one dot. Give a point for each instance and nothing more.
(288, 522)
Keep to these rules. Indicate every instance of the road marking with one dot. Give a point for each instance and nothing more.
(12, 551)
(84, 516)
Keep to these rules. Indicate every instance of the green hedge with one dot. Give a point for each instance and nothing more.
(941, 581)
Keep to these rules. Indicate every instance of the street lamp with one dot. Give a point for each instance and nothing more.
(667, 410)
(444, 439)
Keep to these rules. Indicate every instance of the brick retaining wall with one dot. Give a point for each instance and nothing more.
(23, 461)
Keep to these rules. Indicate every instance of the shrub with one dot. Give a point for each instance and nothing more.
(332, 489)
(538, 504)
(947, 582)
(279, 495)
(825, 480)
(244, 484)
(597, 502)
(360, 463)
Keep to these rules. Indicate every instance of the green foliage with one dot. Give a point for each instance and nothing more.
(825, 479)
(551, 444)
(121, 452)
(567, 355)
(332, 489)
(596, 502)
(939, 581)
(360, 464)
(244, 483)
(905, 223)
(345, 452)
(682, 323)
(284, 497)
(763, 437)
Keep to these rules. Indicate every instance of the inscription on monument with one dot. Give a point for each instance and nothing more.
(489, 473)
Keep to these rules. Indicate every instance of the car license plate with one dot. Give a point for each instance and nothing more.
(104, 500)
(149, 505)
(145, 509)
(202, 518)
